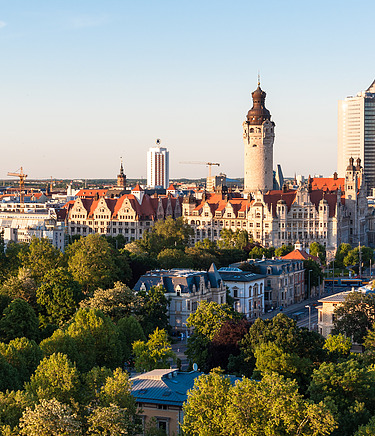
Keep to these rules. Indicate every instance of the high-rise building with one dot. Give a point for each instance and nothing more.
(356, 133)
(258, 135)
(158, 167)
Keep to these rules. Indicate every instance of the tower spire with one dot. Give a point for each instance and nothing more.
(258, 78)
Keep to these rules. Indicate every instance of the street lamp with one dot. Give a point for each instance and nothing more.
(309, 307)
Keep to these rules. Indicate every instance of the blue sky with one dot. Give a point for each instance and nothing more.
(85, 82)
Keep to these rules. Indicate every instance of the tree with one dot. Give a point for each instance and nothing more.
(201, 258)
(139, 264)
(12, 406)
(8, 376)
(130, 330)
(117, 302)
(58, 297)
(108, 421)
(284, 250)
(272, 359)
(226, 343)
(318, 250)
(155, 353)
(355, 316)
(92, 262)
(40, 258)
(206, 321)
(22, 286)
(173, 258)
(91, 339)
(349, 389)
(165, 234)
(50, 418)
(274, 407)
(55, 377)
(209, 317)
(367, 429)
(352, 258)
(153, 309)
(23, 355)
(205, 409)
(316, 274)
(117, 410)
(341, 253)
(18, 320)
(338, 346)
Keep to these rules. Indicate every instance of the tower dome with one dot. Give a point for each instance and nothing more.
(258, 113)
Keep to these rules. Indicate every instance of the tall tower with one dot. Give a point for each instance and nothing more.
(158, 167)
(258, 135)
(356, 133)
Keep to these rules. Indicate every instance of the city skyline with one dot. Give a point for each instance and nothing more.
(86, 83)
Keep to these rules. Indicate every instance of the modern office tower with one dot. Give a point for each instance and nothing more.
(356, 133)
(258, 136)
(158, 167)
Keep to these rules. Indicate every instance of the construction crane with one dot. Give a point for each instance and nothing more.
(22, 176)
(209, 164)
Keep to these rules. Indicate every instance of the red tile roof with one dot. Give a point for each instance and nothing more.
(300, 255)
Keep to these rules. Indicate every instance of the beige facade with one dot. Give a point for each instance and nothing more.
(130, 215)
(326, 316)
(258, 136)
(326, 210)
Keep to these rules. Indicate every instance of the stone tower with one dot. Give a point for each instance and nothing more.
(121, 178)
(258, 135)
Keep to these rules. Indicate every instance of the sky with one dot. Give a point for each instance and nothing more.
(85, 82)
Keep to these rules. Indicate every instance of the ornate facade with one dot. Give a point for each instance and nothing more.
(129, 215)
(327, 210)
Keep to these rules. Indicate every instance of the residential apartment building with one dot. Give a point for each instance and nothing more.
(284, 282)
(129, 215)
(356, 133)
(185, 289)
(158, 167)
(247, 290)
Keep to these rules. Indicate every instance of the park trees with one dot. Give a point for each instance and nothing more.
(92, 262)
(318, 250)
(355, 316)
(170, 233)
(50, 418)
(18, 320)
(272, 406)
(40, 257)
(91, 339)
(55, 377)
(337, 346)
(348, 388)
(22, 286)
(153, 309)
(116, 302)
(155, 353)
(206, 321)
(58, 297)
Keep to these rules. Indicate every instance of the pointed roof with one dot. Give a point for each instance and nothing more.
(300, 255)
(137, 188)
(214, 276)
(371, 88)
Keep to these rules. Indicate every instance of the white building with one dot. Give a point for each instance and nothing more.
(158, 167)
(356, 133)
(20, 224)
(247, 289)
